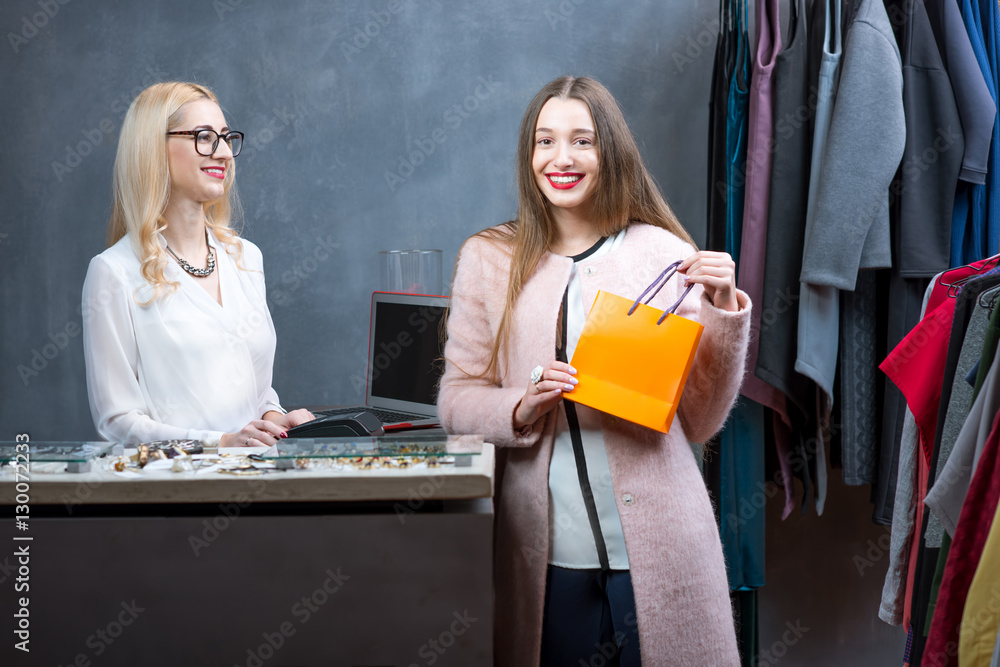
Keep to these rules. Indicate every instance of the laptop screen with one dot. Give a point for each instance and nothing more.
(404, 350)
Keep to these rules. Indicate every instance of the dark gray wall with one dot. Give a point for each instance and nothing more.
(328, 112)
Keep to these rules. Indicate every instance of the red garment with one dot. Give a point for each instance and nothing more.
(917, 364)
(973, 528)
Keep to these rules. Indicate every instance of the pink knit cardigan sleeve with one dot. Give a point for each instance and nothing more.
(467, 403)
(718, 369)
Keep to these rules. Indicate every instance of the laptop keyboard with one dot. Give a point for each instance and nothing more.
(385, 416)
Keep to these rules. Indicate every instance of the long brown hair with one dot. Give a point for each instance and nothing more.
(625, 192)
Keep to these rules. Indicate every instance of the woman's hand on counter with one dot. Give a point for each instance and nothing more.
(289, 419)
(256, 433)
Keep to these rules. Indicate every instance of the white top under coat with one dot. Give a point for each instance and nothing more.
(572, 544)
(183, 366)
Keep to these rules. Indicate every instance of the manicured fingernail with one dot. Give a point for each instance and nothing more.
(569, 387)
(574, 381)
(572, 370)
(284, 435)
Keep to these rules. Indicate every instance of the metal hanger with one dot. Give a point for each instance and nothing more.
(955, 287)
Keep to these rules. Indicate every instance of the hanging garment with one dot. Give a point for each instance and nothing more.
(741, 450)
(959, 400)
(969, 221)
(906, 501)
(975, 105)
(866, 141)
(990, 16)
(793, 111)
(935, 145)
(916, 365)
(905, 309)
(717, 120)
(817, 335)
(858, 382)
(946, 497)
(818, 307)
(926, 553)
(981, 617)
(967, 548)
(952, 484)
(755, 211)
(736, 134)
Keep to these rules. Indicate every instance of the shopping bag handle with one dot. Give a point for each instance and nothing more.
(664, 277)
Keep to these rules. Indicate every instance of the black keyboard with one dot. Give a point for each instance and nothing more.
(385, 416)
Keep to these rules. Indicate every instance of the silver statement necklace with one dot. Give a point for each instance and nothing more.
(197, 273)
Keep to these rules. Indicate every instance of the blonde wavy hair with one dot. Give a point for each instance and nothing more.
(625, 192)
(141, 184)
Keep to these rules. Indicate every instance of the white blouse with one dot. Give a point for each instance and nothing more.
(571, 539)
(182, 367)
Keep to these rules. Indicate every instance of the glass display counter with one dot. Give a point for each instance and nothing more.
(77, 456)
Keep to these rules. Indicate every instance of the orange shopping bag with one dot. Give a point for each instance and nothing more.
(633, 360)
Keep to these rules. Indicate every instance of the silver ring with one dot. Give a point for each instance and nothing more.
(536, 375)
(247, 443)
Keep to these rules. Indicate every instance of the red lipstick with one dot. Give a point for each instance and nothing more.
(564, 186)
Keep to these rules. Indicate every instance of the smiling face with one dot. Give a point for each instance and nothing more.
(192, 176)
(565, 159)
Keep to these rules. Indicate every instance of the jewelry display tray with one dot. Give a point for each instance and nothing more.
(401, 445)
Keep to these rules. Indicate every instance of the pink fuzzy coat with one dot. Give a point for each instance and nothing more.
(675, 555)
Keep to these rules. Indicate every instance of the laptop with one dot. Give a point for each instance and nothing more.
(404, 360)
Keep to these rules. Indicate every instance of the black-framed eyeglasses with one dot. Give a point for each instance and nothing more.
(206, 142)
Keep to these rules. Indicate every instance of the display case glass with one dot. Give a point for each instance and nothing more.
(55, 452)
(402, 445)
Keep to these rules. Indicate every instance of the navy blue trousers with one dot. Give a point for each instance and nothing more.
(589, 619)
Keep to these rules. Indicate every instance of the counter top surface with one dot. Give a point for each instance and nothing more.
(102, 485)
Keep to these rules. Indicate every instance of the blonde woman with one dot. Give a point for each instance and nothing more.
(177, 336)
(607, 550)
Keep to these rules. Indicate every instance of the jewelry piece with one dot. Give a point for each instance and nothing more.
(536, 375)
(247, 443)
(198, 273)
